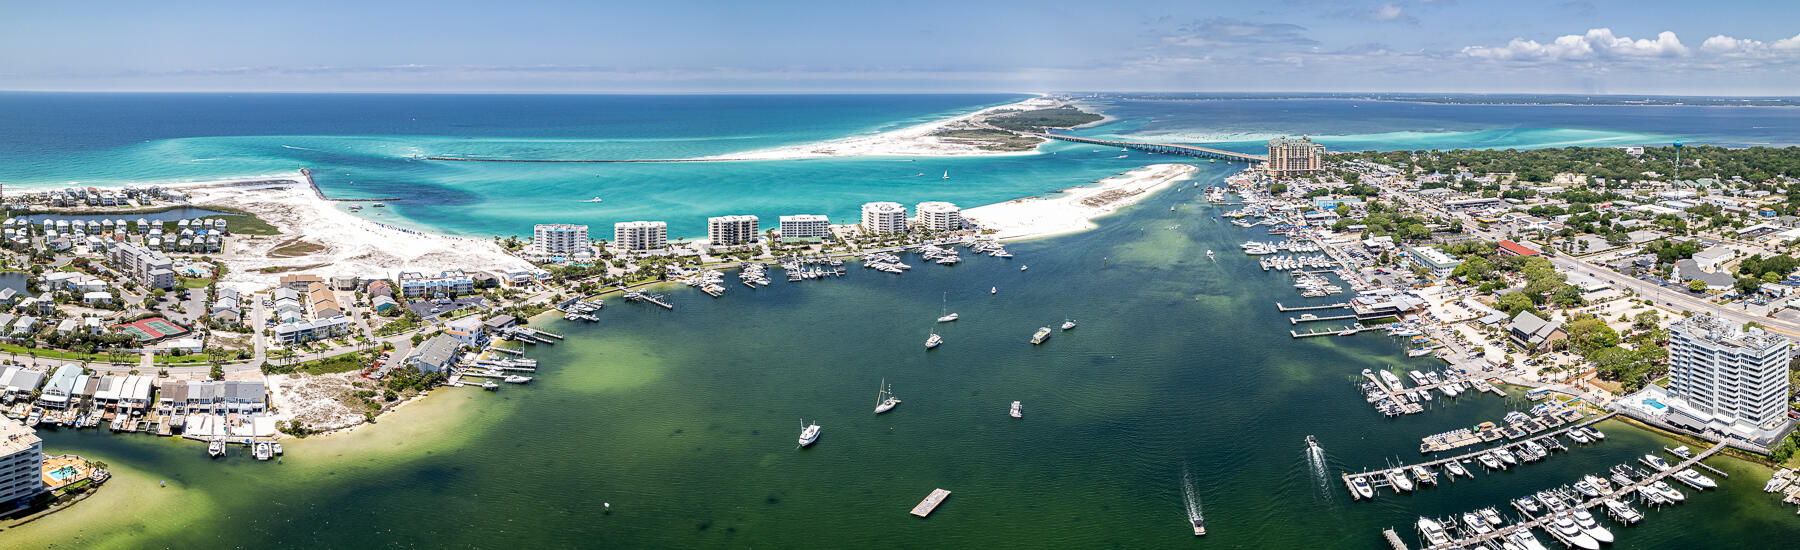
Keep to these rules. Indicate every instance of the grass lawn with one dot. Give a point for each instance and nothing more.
(397, 326)
(59, 354)
(295, 248)
(344, 362)
(245, 223)
(194, 282)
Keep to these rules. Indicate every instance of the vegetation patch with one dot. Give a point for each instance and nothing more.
(1038, 119)
(991, 140)
(295, 248)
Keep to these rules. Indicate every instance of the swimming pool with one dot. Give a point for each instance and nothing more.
(1654, 403)
(63, 473)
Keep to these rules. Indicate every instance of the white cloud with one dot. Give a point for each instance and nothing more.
(1595, 44)
(1728, 46)
(1387, 12)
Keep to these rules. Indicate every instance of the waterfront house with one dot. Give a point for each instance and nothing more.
(60, 390)
(134, 396)
(1528, 331)
(221, 397)
(435, 355)
(19, 382)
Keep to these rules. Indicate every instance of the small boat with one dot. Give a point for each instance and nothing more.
(216, 448)
(1657, 462)
(1622, 512)
(946, 174)
(517, 379)
(1682, 452)
(1018, 411)
(1473, 521)
(1024, 267)
(262, 451)
(1456, 469)
(1068, 324)
(808, 433)
(1209, 254)
(1043, 333)
(379, 205)
(1506, 456)
(1586, 489)
(1598, 483)
(36, 416)
(1593, 434)
(1199, 526)
(1363, 489)
(276, 447)
(1487, 459)
(1668, 493)
(1398, 480)
(490, 386)
(934, 341)
(1524, 540)
(1526, 504)
(885, 400)
(1492, 516)
(1578, 436)
(1312, 442)
(595, 199)
(948, 318)
(994, 290)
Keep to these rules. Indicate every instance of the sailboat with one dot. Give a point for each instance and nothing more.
(595, 199)
(945, 316)
(946, 174)
(885, 400)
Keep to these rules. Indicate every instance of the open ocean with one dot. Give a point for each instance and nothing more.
(660, 429)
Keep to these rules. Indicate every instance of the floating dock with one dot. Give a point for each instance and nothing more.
(1374, 475)
(1339, 305)
(931, 502)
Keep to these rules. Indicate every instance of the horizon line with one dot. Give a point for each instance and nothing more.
(874, 92)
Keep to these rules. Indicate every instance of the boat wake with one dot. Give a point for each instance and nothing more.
(299, 148)
(1189, 498)
(1315, 468)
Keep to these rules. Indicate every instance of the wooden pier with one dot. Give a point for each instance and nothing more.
(1298, 320)
(1346, 331)
(1340, 305)
(1382, 473)
(633, 295)
(1477, 541)
(1393, 539)
(931, 502)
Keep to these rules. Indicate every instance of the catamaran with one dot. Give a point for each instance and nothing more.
(808, 433)
(885, 400)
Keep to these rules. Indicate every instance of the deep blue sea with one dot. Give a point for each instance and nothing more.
(372, 145)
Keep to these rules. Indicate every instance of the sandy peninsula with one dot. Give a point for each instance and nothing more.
(348, 244)
(1074, 209)
(914, 140)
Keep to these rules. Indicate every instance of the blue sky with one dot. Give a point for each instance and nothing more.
(1579, 46)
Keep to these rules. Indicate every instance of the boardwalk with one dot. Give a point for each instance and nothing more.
(1590, 503)
(1162, 148)
(1377, 474)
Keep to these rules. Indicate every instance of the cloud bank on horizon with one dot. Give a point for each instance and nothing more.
(1547, 46)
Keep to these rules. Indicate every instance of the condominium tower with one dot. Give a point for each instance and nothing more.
(641, 236)
(731, 230)
(1731, 379)
(883, 217)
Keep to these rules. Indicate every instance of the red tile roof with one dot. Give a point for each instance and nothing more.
(1517, 249)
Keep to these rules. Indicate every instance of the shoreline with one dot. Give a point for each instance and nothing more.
(1073, 210)
(916, 140)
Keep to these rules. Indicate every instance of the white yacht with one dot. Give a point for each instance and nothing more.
(808, 433)
(1506, 456)
(1363, 489)
(944, 315)
(1669, 493)
(948, 318)
(1068, 324)
(1578, 436)
(1657, 462)
(1593, 434)
(1475, 523)
(1586, 489)
(1043, 333)
(1523, 539)
(263, 451)
(1487, 459)
(1492, 516)
(1691, 477)
(1398, 480)
(1433, 532)
(884, 399)
(1598, 482)
(216, 449)
(1566, 530)
(933, 341)
(994, 290)
(1455, 468)
(1592, 528)
(517, 379)
(1018, 410)
(1622, 512)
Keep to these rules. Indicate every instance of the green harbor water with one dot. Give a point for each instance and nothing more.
(685, 422)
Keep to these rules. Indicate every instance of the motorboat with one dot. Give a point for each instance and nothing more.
(1657, 462)
(1565, 530)
(1696, 479)
(1682, 452)
(809, 433)
(1668, 493)
(1043, 333)
(1622, 512)
(1527, 505)
(490, 386)
(1592, 528)
(1472, 521)
(263, 451)
(1536, 451)
(994, 290)
(1587, 489)
(1024, 267)
(884, 399)
(1433, 532)
(1312, 442)
(517, 379)
(1423, 475)
(1506, 456)
(1593, 434)
(948, 318)
(933, 341)
(1487, 459)
(216, 449)
(276, 447)
(1397, 478)
(1578, 436)
(1068, 324)
(1598, 483)
(595, 200)
(1456, 468)
(1362, 486)
(1018, 410)
(1492, 516)
(1523, 539)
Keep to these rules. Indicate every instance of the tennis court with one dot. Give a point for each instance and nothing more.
(154, 328)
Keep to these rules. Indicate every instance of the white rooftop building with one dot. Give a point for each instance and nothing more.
(731, 230)
(21, 461)
(805, 226)
(560, 238)
(940, 216)
(640, 236)
(1727, 379)
(883, 217)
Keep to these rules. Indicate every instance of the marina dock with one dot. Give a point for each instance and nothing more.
(1284, 309)
(635, 296)
(1346, 331)
(1310, 318)
(931, 502)
(1477, 541)
(1393, 539)
(1381, 475)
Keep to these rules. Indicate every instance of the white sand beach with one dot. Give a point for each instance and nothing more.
(1074, 209)
(352, 245)
(912, 141)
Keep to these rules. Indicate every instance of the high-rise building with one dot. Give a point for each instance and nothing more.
(560, 238)
(148, 267)
(883, 217)
(641, 236)
(805, 226)
(1730, 379)
(731, 230)
(1294, 157)
(21, 461)
(940, 216)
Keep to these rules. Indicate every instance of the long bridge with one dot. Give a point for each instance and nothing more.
(1160, 148)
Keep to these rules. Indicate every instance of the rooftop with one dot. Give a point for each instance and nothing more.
(15, 437)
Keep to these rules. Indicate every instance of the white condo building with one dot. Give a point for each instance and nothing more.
(641, 236)
(560, 238)
(883, 217)
(21, 461)
(731, 230)
(940, 216)
(148, 267)
(805, 226)
(1727, 379)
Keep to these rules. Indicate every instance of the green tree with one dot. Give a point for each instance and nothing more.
(1512, 303)
(1697, 286)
